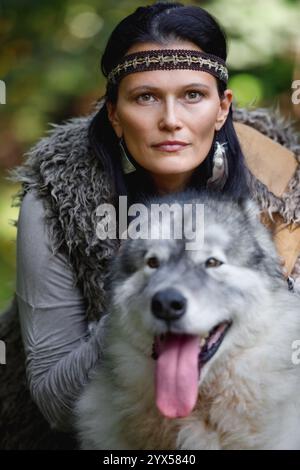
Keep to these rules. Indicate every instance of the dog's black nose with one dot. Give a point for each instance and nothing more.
(168, 304)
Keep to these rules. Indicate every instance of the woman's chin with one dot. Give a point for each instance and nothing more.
(172, 169)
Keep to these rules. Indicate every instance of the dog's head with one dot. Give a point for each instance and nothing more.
(194, 298)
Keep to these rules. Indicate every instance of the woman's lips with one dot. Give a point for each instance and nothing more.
(170, 147)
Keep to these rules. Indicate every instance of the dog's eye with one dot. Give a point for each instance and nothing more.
(153, 262)
(213, 263)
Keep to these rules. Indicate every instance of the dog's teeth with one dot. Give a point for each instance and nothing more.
(206, 335)
(202, 342)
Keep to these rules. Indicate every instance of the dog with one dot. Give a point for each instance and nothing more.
(197, 351)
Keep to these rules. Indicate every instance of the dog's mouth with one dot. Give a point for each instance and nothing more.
(179, 361)
(210, 344)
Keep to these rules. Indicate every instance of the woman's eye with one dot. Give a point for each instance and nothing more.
(194, 95)
(213, 263)
(153, 262)
(143, 97)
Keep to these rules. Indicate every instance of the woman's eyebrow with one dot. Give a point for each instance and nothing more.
(154, 88)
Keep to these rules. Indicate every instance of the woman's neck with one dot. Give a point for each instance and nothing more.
(166, 184)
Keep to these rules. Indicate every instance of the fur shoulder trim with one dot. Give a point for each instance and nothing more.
(72, 183)
(281, 130)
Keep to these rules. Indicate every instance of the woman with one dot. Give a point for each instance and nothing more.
(172, 86)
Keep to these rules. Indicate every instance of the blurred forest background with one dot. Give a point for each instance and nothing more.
(49, 60)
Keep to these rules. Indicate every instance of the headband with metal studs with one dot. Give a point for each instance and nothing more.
(167, 59)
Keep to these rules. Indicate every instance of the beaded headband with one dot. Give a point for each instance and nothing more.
(167, 59)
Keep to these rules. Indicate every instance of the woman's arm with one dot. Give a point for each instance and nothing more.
(60, 349)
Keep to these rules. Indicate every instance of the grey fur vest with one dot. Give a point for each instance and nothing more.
(70, 180)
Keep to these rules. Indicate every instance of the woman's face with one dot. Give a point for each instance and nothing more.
(168, 105)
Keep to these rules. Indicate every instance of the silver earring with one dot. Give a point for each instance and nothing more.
(127, 166)
(220, 167)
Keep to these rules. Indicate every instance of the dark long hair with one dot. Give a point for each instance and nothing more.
(162, 23)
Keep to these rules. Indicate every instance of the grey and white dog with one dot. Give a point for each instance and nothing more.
(198, 345)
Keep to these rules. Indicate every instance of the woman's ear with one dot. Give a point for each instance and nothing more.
(224, 108)
(114, 119)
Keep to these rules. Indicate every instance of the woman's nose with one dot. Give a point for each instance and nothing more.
(170, 118)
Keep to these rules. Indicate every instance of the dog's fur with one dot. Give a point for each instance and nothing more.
(249, 391)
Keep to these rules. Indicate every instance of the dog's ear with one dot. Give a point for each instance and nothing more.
(249, 208)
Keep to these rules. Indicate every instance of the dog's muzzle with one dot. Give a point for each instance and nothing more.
(168, 305)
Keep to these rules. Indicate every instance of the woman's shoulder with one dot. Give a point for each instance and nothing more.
(271, 147)
(62, 169)
(61, 140)
(271, 123)
(65, 146)
(31, 208)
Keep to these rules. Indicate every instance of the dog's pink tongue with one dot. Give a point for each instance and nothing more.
(177, 375)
